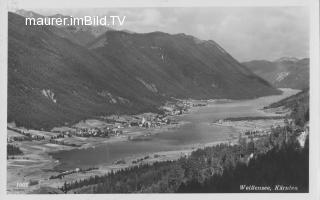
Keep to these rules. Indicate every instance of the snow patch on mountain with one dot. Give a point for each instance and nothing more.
(282, 76)
(49, 94)
(102, 42)
(113, 99)
(150, 86)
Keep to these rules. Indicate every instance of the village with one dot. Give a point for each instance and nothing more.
(115, 125)
(33, 147)
(105, 126)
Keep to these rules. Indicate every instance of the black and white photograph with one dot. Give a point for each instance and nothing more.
(178, 99)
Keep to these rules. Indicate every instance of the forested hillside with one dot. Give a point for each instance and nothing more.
(54, 81)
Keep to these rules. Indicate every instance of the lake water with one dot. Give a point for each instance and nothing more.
(198, 129)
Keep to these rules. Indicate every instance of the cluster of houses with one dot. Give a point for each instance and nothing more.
(98, 132)
(179, 107)
(92, 132)
(25, 136)
(60, 136)
(152, 122)
(117, 126)
(256, 132)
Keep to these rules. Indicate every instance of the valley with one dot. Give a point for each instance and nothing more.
(42, 160)
(53, 80)
(91, 109)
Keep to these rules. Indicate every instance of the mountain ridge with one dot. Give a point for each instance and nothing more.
(53, 80)
(283, 72)
(155, 46)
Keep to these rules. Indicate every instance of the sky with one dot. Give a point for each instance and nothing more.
(247, 33)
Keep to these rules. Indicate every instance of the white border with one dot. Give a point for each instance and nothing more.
(314, 96)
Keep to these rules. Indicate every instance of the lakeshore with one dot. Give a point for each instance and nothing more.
(37, 163)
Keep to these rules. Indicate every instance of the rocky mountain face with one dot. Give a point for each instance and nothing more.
(283, 73)
(53, 80)
(190, 67)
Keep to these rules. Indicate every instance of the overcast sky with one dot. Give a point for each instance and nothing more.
(247, 33)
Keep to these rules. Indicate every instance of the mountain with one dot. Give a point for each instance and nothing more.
(286, 72)
(287, 59)
(53, 80)
(190, 67)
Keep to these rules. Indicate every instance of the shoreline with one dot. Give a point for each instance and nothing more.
(143, 158)
(37, 163)
(45, 164)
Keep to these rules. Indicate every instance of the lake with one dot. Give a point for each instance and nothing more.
(197, 129)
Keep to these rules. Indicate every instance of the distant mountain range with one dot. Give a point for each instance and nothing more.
(54, 79)
(286, 72)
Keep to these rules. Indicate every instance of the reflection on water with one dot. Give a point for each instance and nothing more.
(197, 130)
